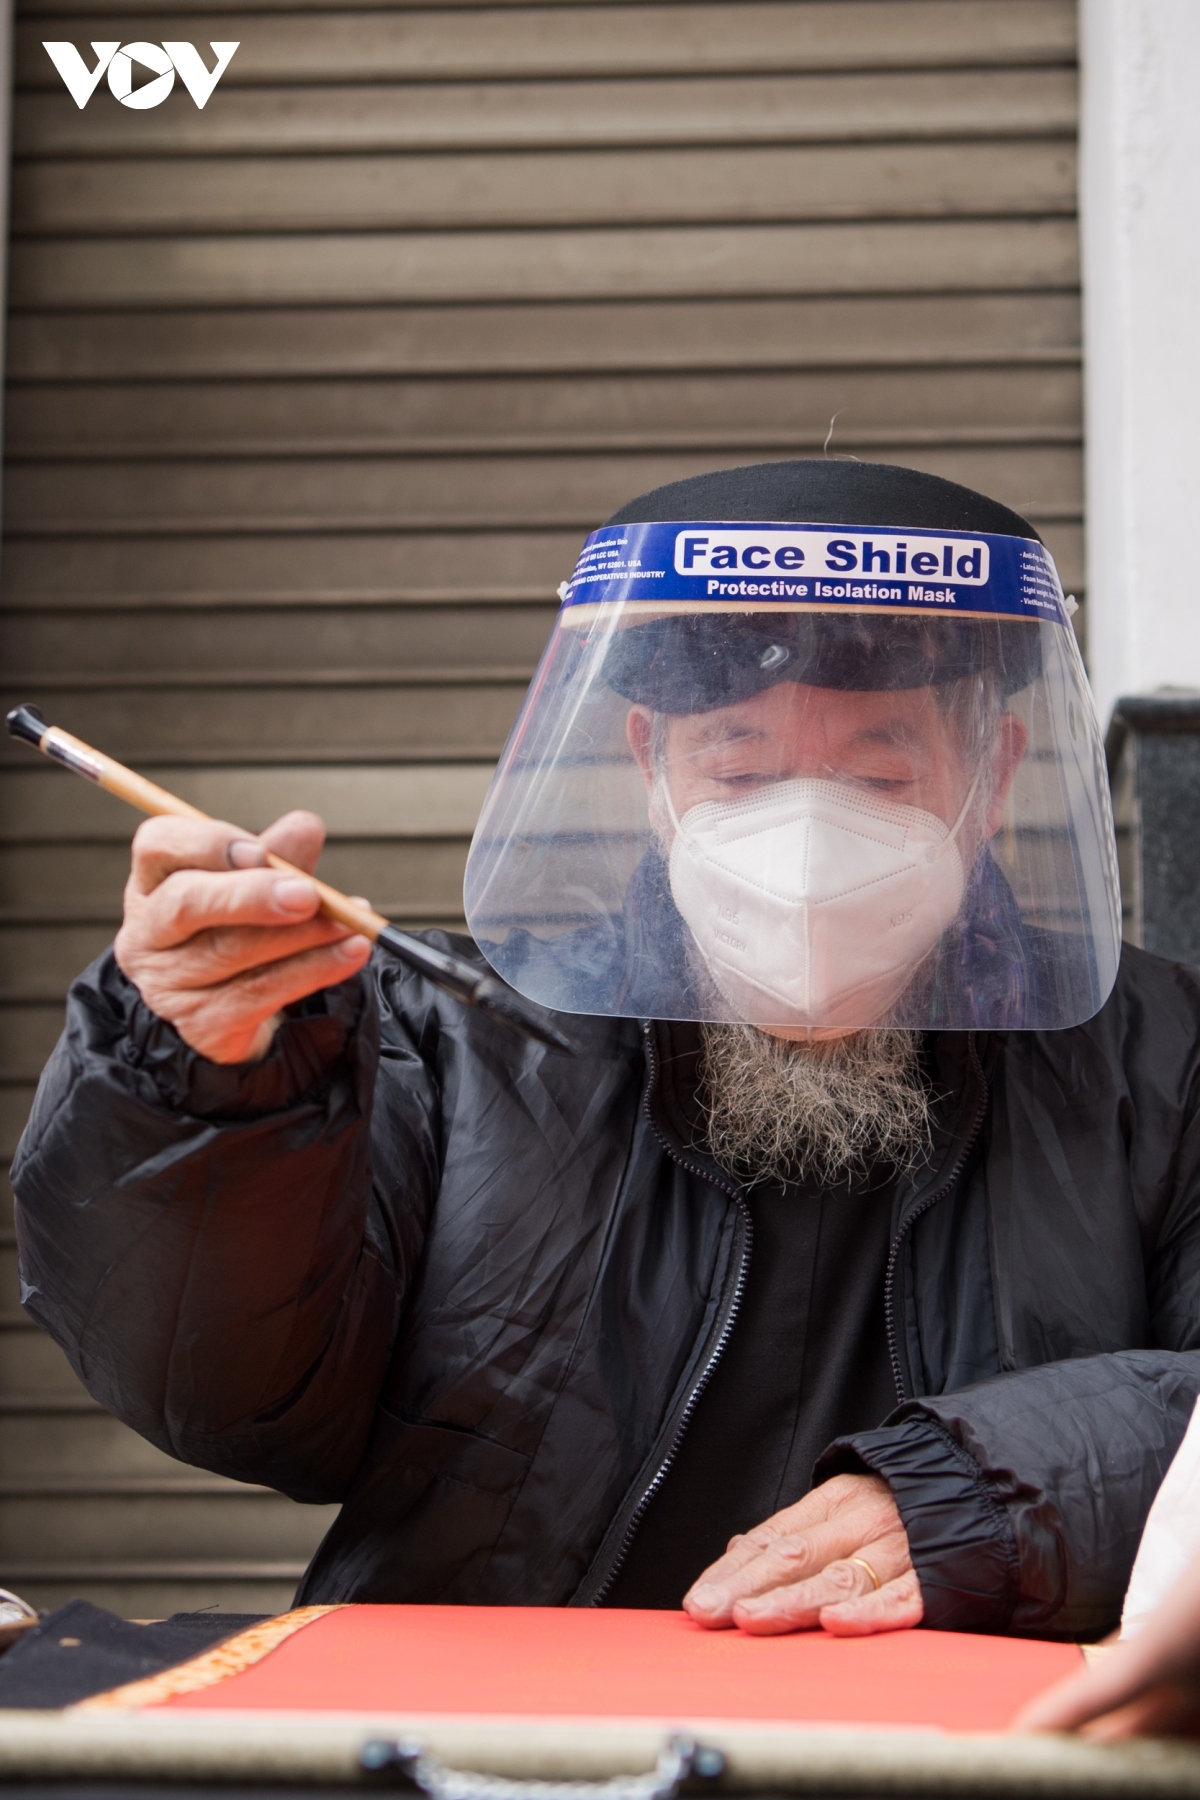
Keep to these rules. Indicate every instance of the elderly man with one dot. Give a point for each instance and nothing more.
(848, 1274)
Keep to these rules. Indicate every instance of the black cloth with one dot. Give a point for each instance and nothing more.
(79, 1650)
(468, 1287)
(810, 489)
(807, 1363)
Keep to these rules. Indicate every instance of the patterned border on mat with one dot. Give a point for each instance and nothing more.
(218, 1664)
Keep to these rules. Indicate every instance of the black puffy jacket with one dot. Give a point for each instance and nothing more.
(468, 1288)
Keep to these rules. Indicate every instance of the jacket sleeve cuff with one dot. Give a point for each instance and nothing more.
(310, 1044)
(959, 1534)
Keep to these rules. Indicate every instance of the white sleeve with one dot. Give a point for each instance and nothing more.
(1171, 1539)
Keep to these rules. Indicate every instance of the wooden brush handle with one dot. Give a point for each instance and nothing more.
(116, 779)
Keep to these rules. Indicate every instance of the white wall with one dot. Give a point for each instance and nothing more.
(6, 87)
(1140, 200)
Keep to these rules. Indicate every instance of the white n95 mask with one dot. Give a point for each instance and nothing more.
(812, 902)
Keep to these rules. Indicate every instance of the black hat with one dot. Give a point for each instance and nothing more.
(699, 661)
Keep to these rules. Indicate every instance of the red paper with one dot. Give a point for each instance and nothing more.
(559, 1660)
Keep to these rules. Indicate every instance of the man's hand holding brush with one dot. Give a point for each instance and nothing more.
(222, 929)
(218, 943)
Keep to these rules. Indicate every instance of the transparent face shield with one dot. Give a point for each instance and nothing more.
(805, 777)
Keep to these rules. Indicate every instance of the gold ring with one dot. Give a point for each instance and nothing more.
(864, 1564)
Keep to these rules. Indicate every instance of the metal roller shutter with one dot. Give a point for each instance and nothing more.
(313, 393)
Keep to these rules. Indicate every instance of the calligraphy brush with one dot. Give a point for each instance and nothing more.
(454, 974)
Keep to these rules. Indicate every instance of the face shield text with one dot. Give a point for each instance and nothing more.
(706, 551)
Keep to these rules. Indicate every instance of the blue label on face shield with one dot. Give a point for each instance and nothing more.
(781, 566)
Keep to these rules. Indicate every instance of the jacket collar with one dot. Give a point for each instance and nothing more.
(673, 1051)
(959, 1064)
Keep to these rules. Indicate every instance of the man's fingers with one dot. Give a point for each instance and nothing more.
(783, 1561)
(235, 1023)
(299, 837)
(194, 900)
(222, 953)
(832, 1520)
(708, 1590)
(792, 1521)
(782, 1573)
(798, 1607)
(802, 1605)
(897, 1606)
(750, 1569)
(279, 984)
(163, 845)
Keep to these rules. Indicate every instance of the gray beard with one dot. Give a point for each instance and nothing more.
(776, 1110)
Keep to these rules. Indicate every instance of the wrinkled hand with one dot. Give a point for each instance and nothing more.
(218, 944)
(1145, 1685)
(794, 1572)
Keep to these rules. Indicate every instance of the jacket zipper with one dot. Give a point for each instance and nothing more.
(930, 1200)
(718, 1349)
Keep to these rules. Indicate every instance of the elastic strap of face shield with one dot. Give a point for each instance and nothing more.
(962, 817)
(663, 781)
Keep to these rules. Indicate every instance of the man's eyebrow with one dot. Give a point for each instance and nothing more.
(900, 732)
(725, 732)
